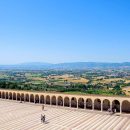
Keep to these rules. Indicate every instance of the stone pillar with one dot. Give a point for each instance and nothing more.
(84, 104)
(101, 106)
(120, 107)
(110, 105)
(77, 104)
(93, 106)
(63, 102)
(70, 103)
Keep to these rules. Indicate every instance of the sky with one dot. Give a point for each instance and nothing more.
(57, 31)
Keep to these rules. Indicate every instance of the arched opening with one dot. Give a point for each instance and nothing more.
(48, 99)
(32, 98)
(81, 103)
(18, 97)
(106, 104)
(3, 95)
(37, 98)
(89, 103)
(66, 102)
(74, 102)
(42, 99)
(53, 100)
(126, 106)
(27, 97)
(97, 104)
(0, 94)
(60, 101)
(22, 97)
(14, 96)
(116, 105)
(10, 95)
(6, 94)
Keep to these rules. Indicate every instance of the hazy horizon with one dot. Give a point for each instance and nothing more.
(64, 31)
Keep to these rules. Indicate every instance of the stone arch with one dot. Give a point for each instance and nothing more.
(53, 100)
(89, 103)
(66, 102)
(27, 97)
(22, 96)
(42, 99)
(116, 105)
(10, 95)
(3, 95)
(36, 98)
(31, 98)
(74, 102)
(48, 99)
(6, 94)
(81, 103)
(126, 106)
(106, 104)
(60, 101)
(14, 96)
(18, 97)
(97, 104)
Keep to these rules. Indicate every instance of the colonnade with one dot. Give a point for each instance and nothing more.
(92, 102)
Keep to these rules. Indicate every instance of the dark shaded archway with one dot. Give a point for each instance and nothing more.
(81, 103)
(3, 95)
(18, 97)
(53, 100)
(22, 97)
(97, 104)
(32, 98)
(27, 97)
(0, 94)
(48, 99)
(126, 106)
(60, 101)
(14, 96)
(116, 105)
(106, 104)
(42, 99)
(74, 102)
(89, 103)
(66, 102)
(10, 95)
(37, 98)
(6, 95)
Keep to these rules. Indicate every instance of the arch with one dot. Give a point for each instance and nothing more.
(81, 103)
(18, 97)
(74, 102)
(3, 95)
(89, 103)
(116, 105)
(0, 94)
(126, 106)
(106, 104)
(97, 104)
(10, 95)
(14, 96)
(60, 101)
(27, 97)
(36, 98)
(6, 95)
(32, 98)
(66, 102)
(48, 99)
(42, 99)
(53, 100)
(22, 96)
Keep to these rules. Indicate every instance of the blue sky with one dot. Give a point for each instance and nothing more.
(64, 31)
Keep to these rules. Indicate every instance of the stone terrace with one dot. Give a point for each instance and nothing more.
(26, 116)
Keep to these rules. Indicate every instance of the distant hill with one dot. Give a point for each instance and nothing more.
(73, 65)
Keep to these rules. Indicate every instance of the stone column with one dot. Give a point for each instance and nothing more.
(120, 107)
(93, 106)
(101, 106)
(84, 104)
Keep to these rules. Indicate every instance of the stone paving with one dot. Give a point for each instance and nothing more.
(26, 116)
